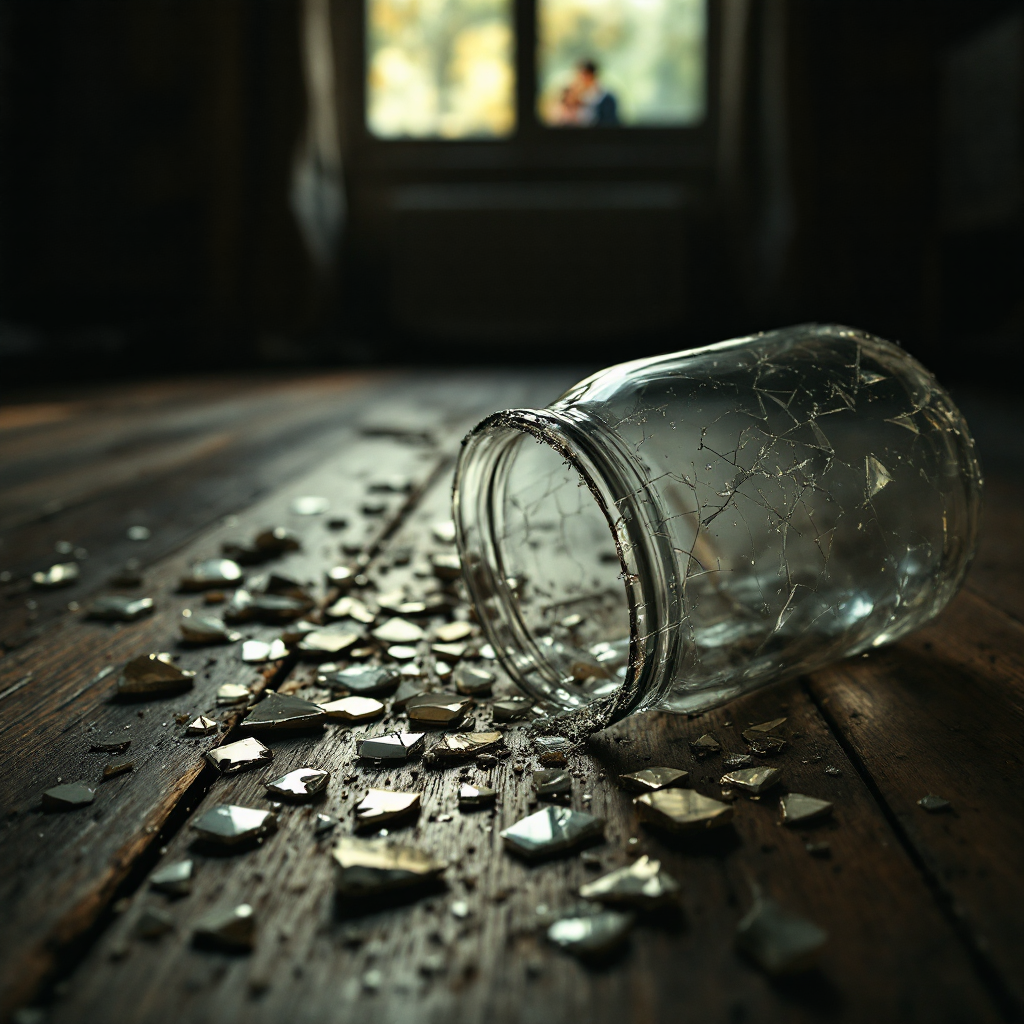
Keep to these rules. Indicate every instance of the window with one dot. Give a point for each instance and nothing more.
(446, 69)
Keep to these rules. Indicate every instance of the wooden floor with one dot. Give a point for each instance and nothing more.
(925, 912)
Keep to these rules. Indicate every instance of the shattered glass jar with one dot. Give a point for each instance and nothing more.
(676, 531)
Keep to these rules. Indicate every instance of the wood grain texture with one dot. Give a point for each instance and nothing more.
(998, 571)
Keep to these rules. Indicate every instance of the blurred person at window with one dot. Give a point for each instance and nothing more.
(598, 107)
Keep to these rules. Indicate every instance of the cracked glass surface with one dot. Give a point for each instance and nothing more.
(676, 531)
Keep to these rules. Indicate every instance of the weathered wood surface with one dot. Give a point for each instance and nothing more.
(921, 909)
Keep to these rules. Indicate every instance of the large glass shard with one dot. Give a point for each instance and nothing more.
(395, 746)
(153, 675)
(682, 810)
(239, 756)
(212, 573)
(437, 708)
(117, 608)
(779, 942)
(353, 709)
(551, 831)
(798, 809)
(753, 780)
(456, 746)
(649, 779)
(232, 825)
(382, 805)
(641, 885)
(281, 712)
(228, 929)
(68, 796)
(364, 680)
(595, 935)
(174, 879)
(372, 867)
(300, 784)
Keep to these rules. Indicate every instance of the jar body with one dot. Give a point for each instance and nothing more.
(679, 530)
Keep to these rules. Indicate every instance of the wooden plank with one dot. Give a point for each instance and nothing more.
(998, 571)
(943, 712)
(891, 954)
(66, 868)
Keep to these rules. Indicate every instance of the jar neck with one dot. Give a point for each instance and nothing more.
(619, 485)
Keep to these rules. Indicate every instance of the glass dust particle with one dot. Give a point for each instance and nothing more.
(230, 694)
(117, 608)
(832, 770)
(203, 629)
(115, 768)
(437, 708)
(552, 782)
(398, 631)
(511, 709)
(353, 709)
(641, 885)
(233, 929)
(254, 652)
(933, 803)
(174, 879)
(239, 756)
(383, 805)
(323, 824)
(363, 680)
(453, 632)
(737, 761)
(474, 797)
(68, 797)
(551, 831)
(462, 745)
(553, 751)
(365, 868)
(752, 780)
(798, 809)
(152, 923)
(648, 780)
(444, 531)
(232, 825)
(327, 642)
(153, 675)
(63, 574)
(705, 745)
(282, 712)
(594, 935)
(682, 810)
(310, 505)
(212, 574)
(395, 746)
(778, 941)
(117, 746)
(473, 681)
(300, 784)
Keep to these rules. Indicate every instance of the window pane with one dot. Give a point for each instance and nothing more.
(650, 57)
(440, 68)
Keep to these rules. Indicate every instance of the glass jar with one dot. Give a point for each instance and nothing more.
(675, 531)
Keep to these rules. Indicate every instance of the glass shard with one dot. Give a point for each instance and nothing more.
(280, 712)
(254, 652)
(350, 608)
(511, 709)
(797, 809)
(706, 745)
(449, 652)
(229, 694)
(641, 885)
(395, 746)
(353, 709)
(199, 629)
(381, 805)
(68, 796)
(682, 810)
(592, 936)
(370, 867)
(294, 632)
(231, 825)
(934, 803)
(650, 779)
(437, 708)
(324, 824)
(446, 566)
(456, 746)
(764, 728)
(552, 782)
(239, 756)
(118, 746)
(408, 689)
(553, 751)
(551, 831)
(227, 929)
(310, 505)
(211, 574)
(453, 632)
(737, 760)
(117, 608)
(400, 652)
(753, 780)
(444, 531)
(300, 784)
(174, 879)
(777, 941)
(398, 631)
(473, 681)
(153, 675)
(115, 768)
(364, 680)
(138, 533)
(152, 923)
(323, 642)
(472, 797)
(63, 574)
(878, 477)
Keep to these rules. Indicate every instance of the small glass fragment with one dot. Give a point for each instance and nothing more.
(256, 651)
(737, 760)
(68, 796)
(300, 784)
(473, 681)
(239, 756)
(152, 923)
(138, 533)
(649, 779)
(293, 633)
(231, 825)
(446, 566)
(269, 608)
(227, 929)
(322, 642)
(753, 780)
(552, 750)
(353, 709)
(592, 936)
(350, 608)
(797, 809)
(706, 745)
(473, 797)
(641, 885)
(364, 680)
(764, 727)
(381, 805)
(460, 909)
(283, 712)
(369, 867)
(442, 669)
(233, 693)
(398, 631)
(407, 689)
(63, 574)
(117, 746)
(456, 746)
(453, 632)
(118, 608)
(449, 652)
(437, 708)
(682, 810)
(511, 709)
(552, 782)
(395, 746)
(115, 768)
(174, 879)
(551, 831)
(324, 824)
(401, 652)
(342, 576)
(444, 531)
(198, 629)
(934, 803)
(310, 505)
(153, 675)
(832, 770)
(779, 942)
(213, 573)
